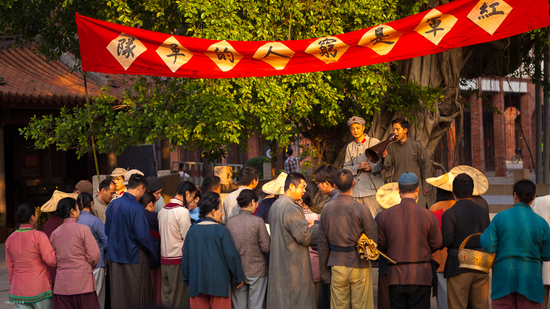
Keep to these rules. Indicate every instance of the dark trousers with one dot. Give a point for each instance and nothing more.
(410, 296)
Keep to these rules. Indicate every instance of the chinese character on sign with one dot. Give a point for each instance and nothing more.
(270, 51)
(175, 52)
(327, 48)
(225, 55)
(483, 10)
(434, 24)
(379, 33)
(126, 47)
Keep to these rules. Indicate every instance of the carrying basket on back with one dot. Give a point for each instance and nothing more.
(473, 259)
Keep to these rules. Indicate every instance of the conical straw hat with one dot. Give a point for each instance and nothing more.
(276, 186)
(51, 205)
(388, 195)
(445, 181)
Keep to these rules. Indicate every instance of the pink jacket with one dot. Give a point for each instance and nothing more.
(77, 255)
(28, 251)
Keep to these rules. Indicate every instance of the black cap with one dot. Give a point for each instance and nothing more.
(154, 184)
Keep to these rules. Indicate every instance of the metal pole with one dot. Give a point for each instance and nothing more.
(538, 115)
(545, 119)
(91, 131)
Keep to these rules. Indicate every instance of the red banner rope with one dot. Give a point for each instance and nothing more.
(111, 48)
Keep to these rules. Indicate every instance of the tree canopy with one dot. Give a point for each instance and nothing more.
(210, 114)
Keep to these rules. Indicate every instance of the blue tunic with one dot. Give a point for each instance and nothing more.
(210, 260)
(521, 239)
(128, 231)
(98, 230)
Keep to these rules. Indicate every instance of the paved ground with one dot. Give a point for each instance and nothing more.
(4, 285)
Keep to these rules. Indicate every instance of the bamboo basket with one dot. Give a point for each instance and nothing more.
(473, 259)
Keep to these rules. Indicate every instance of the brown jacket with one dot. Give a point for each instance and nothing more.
(409, 233)
(343, 220)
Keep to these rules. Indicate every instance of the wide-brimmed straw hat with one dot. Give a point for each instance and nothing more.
(51, 205)
(276, 186)
(388, 195)
(445, 181)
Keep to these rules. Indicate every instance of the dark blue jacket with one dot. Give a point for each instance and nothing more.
(128, 231)
(210, 260)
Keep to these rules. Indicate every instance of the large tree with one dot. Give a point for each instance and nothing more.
(213, 113)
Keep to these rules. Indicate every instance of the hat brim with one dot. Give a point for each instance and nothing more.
(388, 195)
(481, 183)
(276, 186)
(51, 205)
(445, 181)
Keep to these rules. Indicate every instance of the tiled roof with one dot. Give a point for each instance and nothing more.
(32, 82)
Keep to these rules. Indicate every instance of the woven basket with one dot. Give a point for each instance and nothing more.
(473, 259)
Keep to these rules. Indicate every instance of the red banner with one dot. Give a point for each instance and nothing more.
(111, 48)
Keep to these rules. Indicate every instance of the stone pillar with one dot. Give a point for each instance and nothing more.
(478, 142)
(525, 114)
(2, 179)
(499, 133)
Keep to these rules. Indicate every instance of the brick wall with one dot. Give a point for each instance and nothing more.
(510, 116)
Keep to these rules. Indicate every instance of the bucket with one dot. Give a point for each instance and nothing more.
(473, 259)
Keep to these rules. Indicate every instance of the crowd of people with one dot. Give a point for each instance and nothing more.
(123, 247)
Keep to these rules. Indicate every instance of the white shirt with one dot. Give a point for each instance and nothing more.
(541, 206)
(230, 202)
(174, 222)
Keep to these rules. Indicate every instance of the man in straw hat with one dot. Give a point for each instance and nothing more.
(406, 155)
(349, 275)
(457, 223)
(290, 280)
(366, 174)
(274, 188)
(521, 240)
(409, 234)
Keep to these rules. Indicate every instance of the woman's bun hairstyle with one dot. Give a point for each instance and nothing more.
(64, 207)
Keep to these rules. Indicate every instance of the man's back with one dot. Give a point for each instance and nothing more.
(409, 233)
(343, 220)
(127, 230)
(521, 240)
(462, 220)
(290, 276)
